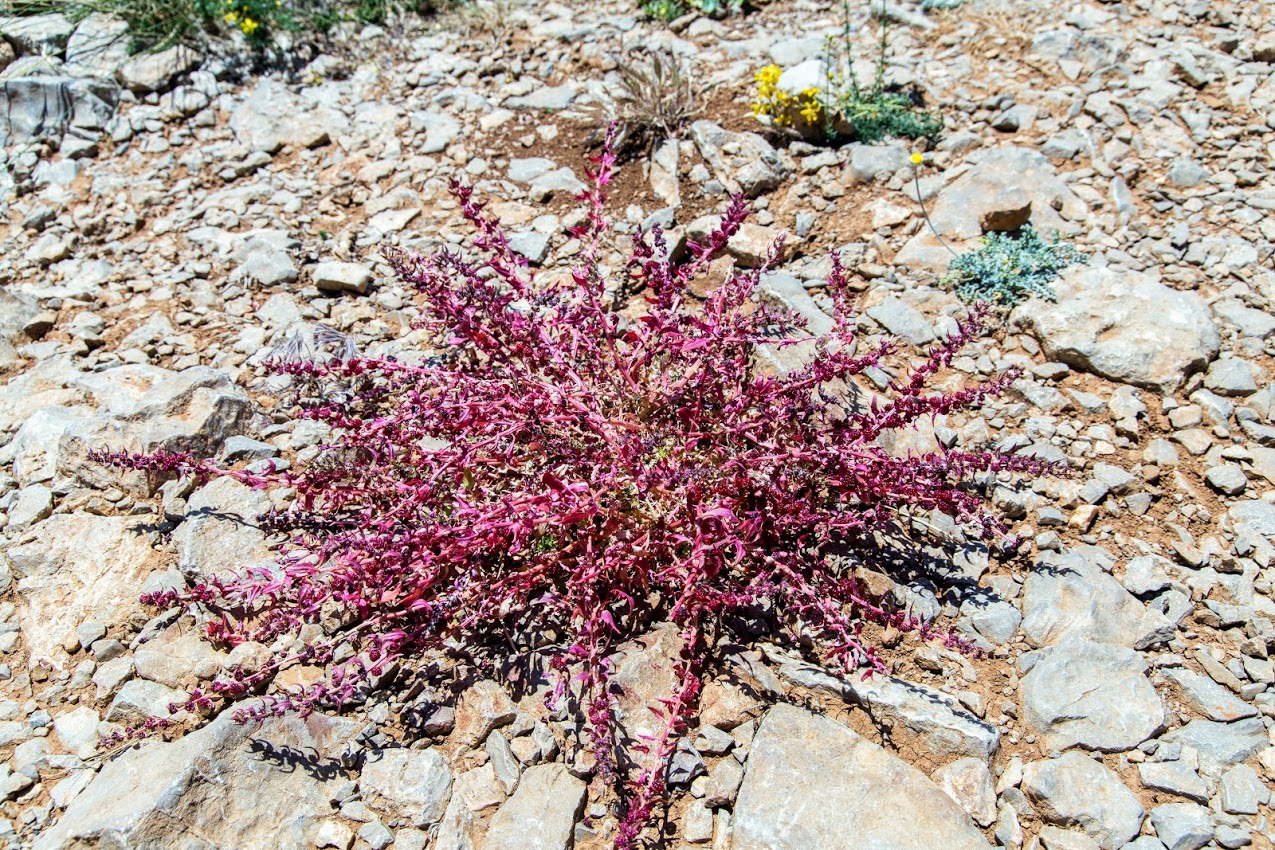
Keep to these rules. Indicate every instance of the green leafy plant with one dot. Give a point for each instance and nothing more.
(158, 24)
(671, 10)
(843, 106)
(1008, 268)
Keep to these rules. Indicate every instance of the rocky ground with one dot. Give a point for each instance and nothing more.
(175, 222)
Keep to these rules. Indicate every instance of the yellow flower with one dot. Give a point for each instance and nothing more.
(811, 111)
(917, 159)
(768, 75)
(249, 26)
(230, 17)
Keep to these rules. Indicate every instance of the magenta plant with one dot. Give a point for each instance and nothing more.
(556, 479)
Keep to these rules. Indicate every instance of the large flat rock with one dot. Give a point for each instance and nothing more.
(813, 783)
(1122, 325)
(226, 785)
(1091, 695)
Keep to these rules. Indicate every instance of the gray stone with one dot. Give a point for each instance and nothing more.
(99, 45)
(1176, 777)
(1231, 376)
(663, 174)
(269, 267)
(527, 170)
(1146, 575)
(644, 671)
(76, 730)
(812, 782)
(1221, 745)
(440, 130)
(153, 72)
(207, 789)
(530, 244)
(542, 813)
(1187, 173)
(969, 783)
(220, 533)
(744, 162)
(547, 98)
(479, 788)
(996, 621)
(1227, 478)
(1067, 594)
(140, 700)
(995, 191)
(1182, 826)
(1255, 516)
(1075, 790)
(875, 162)
(1053, 838)
(1207, 696)
(932, 718)
(375, 835)
(37, 35)
(1242, 791)
(272, 117)
(561, 181)
(411, 784)
(1097, 325)
(147, 409)
(341, 277)
(1254, 323)
(33, 504)
(1091, 695)
(39, 107)
(77, 567)
(723, 784)
(503, 761)
(18, 317)
(483, 707)
(177, 660)
(901, 319)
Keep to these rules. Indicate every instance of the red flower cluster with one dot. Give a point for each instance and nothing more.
(556, 478)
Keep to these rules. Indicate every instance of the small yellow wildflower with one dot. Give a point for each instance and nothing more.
(812, 110)
(917, 159)
(249, 26)
(230, 18)
(768, 75)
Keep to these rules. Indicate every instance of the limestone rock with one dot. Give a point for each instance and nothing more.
(35, 35)
(34, 107)
(413, 784)
(969, 783)
(78, 567)
(220, 532)
(1207, 696)
(1078, 791)
(541, 815)
(744, 162)
(342, 277)
(644, 673)
(99, 45)
(811, 782)
(1007, 187)
(1098, 324)
(1091, 695)
(272, 117)
(225, 785)
(153, 72)
(1068, 594)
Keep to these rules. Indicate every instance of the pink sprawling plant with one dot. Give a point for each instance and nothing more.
(556, 478)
